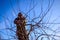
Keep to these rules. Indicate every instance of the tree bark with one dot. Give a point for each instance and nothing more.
(21, 33)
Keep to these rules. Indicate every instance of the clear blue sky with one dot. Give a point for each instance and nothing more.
(24, 5)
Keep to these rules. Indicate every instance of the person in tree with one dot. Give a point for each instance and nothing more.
(20, 23)
(20, 19)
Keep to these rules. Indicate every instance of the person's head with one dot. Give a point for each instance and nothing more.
(19, 14)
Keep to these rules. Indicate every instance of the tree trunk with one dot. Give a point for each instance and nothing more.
(20, 25)
(21, 33)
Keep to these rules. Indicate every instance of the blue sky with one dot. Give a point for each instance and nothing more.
(6, 9)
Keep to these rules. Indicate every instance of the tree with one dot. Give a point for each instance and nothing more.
(35, 28)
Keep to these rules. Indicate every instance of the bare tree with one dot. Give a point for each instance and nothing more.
(28, 26)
